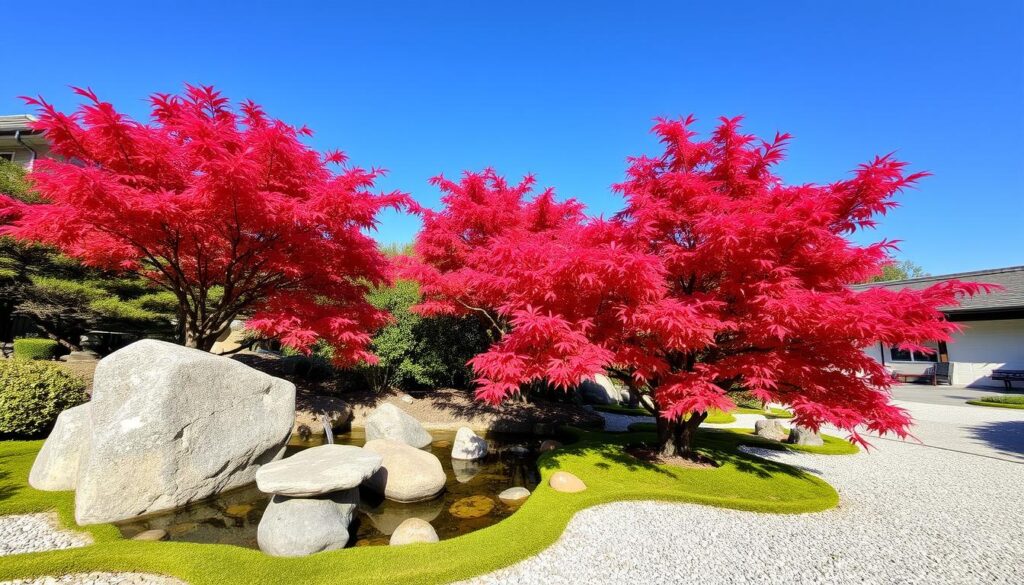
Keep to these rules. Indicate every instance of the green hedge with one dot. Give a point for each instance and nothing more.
(36, 348)
(32, 394)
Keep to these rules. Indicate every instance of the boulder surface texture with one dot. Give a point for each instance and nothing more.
(388, 421)
(56, 467)
(171, 425)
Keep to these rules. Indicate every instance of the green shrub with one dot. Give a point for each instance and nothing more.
(32, 394)
(316, 366)
(36, 348)
(417, 352)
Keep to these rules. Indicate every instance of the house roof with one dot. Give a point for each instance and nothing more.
(1010, 298)
(16, 122)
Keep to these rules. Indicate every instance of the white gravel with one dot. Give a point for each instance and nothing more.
(909, 513)
(23, 533)
(99, 579)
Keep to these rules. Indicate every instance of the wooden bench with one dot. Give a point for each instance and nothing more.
(1008, 376)
(940, 372)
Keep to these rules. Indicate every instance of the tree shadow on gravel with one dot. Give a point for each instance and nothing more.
(1007, 437)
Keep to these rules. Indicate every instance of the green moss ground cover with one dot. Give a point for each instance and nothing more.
(742, 481)
(1000, 401)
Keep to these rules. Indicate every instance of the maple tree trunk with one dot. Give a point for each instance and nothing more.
(200, 338)
(675, 437)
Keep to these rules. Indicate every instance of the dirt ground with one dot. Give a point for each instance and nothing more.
(442, 408)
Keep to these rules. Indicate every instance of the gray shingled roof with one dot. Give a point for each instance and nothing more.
(1011, 297)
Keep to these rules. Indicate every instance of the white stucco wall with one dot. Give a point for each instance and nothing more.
(981, 347)
(984, 346)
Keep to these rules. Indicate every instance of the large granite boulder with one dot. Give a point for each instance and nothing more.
(770, 429)
(172, 425)
(293, 527)
(319, 470)
(468, 446)
(388, 421)
(56, 466)
(600, 390)
(406, 474)
(804, 436)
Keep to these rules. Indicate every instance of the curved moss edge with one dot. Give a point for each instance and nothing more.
(996, 404)
(832, 446)
(742, 482)
(716, 417)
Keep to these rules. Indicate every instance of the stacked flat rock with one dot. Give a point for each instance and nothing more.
(319, 470)
(316, 492)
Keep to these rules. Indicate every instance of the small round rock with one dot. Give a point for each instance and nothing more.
(151, 535)
(565, 482)
(413, 530)
(514, 495)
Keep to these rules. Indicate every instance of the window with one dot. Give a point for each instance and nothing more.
(903, 355)
(8, 156)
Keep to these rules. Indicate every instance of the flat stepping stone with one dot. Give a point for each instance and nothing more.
(319, 470)
(472, 507)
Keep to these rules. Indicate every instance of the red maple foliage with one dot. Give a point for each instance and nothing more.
(715, 278)
(224, 208)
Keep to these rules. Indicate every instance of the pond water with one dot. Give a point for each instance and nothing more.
(232, 517)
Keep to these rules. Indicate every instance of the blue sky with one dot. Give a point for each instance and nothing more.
(568, 91)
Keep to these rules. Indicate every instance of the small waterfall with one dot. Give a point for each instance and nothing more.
(328, 432)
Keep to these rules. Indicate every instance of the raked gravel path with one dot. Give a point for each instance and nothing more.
(908, 513)
(23, 533)
(99, 579)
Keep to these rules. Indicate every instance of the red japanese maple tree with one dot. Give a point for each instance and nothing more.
(716, 277)
(223, 207)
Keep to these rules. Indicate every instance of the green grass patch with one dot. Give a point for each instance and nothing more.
(1000, 401)
(772, 413)
(742, 481)
(715, 417)
(619, 409)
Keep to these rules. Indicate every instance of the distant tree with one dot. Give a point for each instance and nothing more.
(898, 270)
(223, 208)
(716, 278)
(61, 296)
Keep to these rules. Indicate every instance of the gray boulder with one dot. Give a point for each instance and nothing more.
(388, 421)
(412, 531)
(770, 429)
(56, 466)
(600, 390)
(514, 494)
(172, 425)
(468, 446)
(293, 527)
(319, 470)
(406, 474)
(804, 436)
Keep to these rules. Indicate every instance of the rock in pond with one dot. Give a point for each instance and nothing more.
(171, 425)
(549, 445)
(309, 409)
(472, 507)
(770, 429)
(599, 390)
(318, 470)
(386, 518)
(406, 474)
(804, 436)
(514, 495)
(468, 446)
(56, 466)
(412, 531)
(388, 421)
(293, 527)
(565, 482)
(153, 535)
